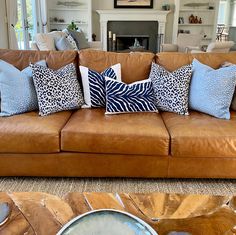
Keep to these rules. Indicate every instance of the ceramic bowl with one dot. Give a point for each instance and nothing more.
(107, 222)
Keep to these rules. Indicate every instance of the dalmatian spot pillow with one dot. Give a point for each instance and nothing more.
(57, 90)
(70, 39)
(171, 89)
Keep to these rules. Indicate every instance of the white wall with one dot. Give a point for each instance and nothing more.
(3, 25)
(109, 4)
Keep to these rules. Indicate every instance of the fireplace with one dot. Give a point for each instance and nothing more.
(131, 42)
(138, 35)
(109, 17)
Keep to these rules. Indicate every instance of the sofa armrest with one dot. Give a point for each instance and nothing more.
(169, 47)
(96, 45)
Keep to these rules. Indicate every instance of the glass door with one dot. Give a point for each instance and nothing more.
(26, 26)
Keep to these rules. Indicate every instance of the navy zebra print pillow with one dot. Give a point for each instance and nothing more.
(135, 97)
(94, 85)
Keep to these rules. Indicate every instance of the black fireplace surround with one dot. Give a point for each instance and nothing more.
(127, 31)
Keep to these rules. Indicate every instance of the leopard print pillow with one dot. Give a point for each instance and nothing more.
(171, 89)
(57, 90)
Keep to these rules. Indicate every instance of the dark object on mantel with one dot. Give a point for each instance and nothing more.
(133, 4)
(94, 37)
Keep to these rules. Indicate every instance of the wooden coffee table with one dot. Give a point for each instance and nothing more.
(169, 214)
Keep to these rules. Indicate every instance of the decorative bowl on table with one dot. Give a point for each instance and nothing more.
(139, 48)
(107, 222)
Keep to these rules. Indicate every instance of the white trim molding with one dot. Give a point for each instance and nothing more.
(131, 15)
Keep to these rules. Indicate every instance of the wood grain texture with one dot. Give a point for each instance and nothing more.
(16, 223)
(78, 203)
(40, 213)
(179, 206)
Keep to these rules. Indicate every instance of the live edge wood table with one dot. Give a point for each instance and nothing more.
(169, 214)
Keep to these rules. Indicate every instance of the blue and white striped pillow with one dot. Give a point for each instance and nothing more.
(135, 97)
(94, 85)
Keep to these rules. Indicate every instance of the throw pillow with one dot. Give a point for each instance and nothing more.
(45, 42)
(56, 35)
(233, 104)
(63, 44)
(57, 90)
(135, 97)
(171, 89)
(17, 90)
(70, 39)
(94, 85)
(80, 39)
(211, 90)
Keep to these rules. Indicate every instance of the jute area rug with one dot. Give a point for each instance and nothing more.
(62, 186)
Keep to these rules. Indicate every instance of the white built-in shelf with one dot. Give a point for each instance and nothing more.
(64, 23)
(81, 15)
(195, 24)
(209, 19)
(207, 39)
(68, 9)
(196, 10)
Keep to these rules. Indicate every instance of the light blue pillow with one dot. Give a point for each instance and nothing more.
(124, 98)
(17, 89)
(211, 91)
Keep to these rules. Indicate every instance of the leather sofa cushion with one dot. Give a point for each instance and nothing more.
(134, 66)
(200, 135)
(54, 59)
(173, 61)
(91, 131)
(30, 133)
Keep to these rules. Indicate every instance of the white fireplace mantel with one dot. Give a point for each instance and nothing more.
(131, 15)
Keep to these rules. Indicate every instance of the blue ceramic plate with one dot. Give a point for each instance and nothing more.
(107, 222)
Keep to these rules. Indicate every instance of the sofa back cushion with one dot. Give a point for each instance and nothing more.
(173, 61)
(135, 66)
(55, 59)
(45, 42)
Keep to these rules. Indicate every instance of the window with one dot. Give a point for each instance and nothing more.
(222, 12)
(233, 13)
(26, 26)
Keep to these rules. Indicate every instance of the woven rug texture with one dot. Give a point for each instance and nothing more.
(62, 186)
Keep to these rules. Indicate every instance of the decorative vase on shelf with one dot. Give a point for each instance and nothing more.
(191, 19)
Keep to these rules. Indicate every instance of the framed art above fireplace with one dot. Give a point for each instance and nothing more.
(133, 3)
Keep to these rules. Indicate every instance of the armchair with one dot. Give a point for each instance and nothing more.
(185, 43)
(218, 47)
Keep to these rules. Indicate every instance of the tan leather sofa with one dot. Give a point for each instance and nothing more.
(87, 143)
